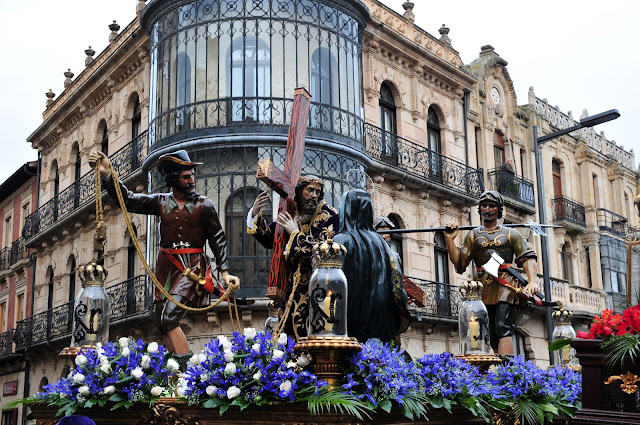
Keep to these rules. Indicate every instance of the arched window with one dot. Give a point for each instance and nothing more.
(557, 190)
(65, 371)
(183, 88)
(498, 150)
(250, 79)
(245, 253)
(435, 147)
(43, 382)
(388, 141)
(441, 267)
(72, 278)
(50, 288)
(136, 120)
(104, 144)
(567, 267)
(323, 72)
(56, 188)
(76, 177)
(132, 256)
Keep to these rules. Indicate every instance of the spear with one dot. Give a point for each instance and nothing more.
(535, 227)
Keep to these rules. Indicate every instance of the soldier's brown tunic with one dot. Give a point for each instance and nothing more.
(196, 223)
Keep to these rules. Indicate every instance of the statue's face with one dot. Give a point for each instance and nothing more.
(385, 236)
(186, 182)
(489, 211)
(310, 195)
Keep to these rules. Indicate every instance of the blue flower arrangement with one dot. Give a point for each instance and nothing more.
(251, 368)
(120, 374)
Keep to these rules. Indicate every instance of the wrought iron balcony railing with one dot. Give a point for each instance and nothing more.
(568, 210)
(618, 225)
(511, 186)
(128, 298)
(12, 254)
(6, 343)
(125, 161)
(400, 153)
(440, 299)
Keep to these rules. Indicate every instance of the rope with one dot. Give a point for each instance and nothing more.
(154, 279)
(285, 316)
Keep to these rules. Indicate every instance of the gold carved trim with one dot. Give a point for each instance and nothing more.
(628, 382)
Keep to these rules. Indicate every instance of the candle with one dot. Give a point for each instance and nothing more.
(326, 308)
(565, 354)
(474, 333)
(93, 329)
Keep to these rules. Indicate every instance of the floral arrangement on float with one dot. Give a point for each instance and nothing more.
(251, 368)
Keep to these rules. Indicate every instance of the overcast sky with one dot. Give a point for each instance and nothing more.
(577, 54)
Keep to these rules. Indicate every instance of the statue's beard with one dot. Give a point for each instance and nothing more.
(185, 190)
(488, 216)
(309, 207)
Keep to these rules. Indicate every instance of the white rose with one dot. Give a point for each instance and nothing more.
(230, 369)
(202, 357)
(257, 375)
(126, 351)
(283, 339)
(303, 360)
(109, 390)
(105, 368)
(182, 392)
(123, 342)
(81, 360)
(152, 348)
(78, 377)
(226, 345)
(172, 365)
(145, 361)
(285, 386)
(211, 391)
(63, 395)
(84, 390)
(228, 356)
(204, 377)
(222, 339)
(278, 354)
(195, 360)
(233, 392)
(98, 345)
(255, 347)
(137, 373)
(103, 359)
(250, 333)
(156, 391)
(291, 365)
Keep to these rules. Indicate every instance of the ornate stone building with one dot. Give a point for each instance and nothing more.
(216, 77)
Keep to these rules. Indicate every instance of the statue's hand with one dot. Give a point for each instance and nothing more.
(451, 230)
(531, 288)
(286, 221)
(105, 164)
(261, 201)
(231, 281)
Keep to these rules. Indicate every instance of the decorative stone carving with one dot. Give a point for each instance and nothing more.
(89, 52)
(140, 7)
(408, 14)
(114, 27)
(444, 33)
(68, 76)
(50, 95)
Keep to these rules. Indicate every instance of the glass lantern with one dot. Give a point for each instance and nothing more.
(328, 291)
(91, 310)
(563, 330)
(473, 321)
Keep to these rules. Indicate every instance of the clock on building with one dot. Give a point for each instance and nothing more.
(495, 95)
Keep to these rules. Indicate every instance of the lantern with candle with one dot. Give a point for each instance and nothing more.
(328, 291)
(473, 321)
(564, 330)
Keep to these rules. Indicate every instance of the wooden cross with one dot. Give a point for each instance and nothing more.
(284, 182)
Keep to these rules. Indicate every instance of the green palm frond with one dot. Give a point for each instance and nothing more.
(528, 411)
(619, 347)
(414, 408)
(338, 402)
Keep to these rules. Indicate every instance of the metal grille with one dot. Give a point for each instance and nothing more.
(129, 298)
(511, 186)
(125, 161)
(419, 161)
(228, 179)
(440, 299)
(6, 343)
(568, 210)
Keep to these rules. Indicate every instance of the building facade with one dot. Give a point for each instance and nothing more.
(216, 77)
(18, 197)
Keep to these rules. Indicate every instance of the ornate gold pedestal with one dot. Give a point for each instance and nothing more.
(483, 361)
(74, 351)
(329, 354)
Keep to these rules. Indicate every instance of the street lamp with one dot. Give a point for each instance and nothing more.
(542, 211)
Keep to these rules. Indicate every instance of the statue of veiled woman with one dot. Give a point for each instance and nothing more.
(377, 304)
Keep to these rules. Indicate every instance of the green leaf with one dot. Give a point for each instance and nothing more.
(617, 348)
(559, 343)
(212, 403)
(338, 402)
(436, 401)
(125, 380)
(116, 397)
(224, 408)
(89, 403)
(385, 405)
(119, 405)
